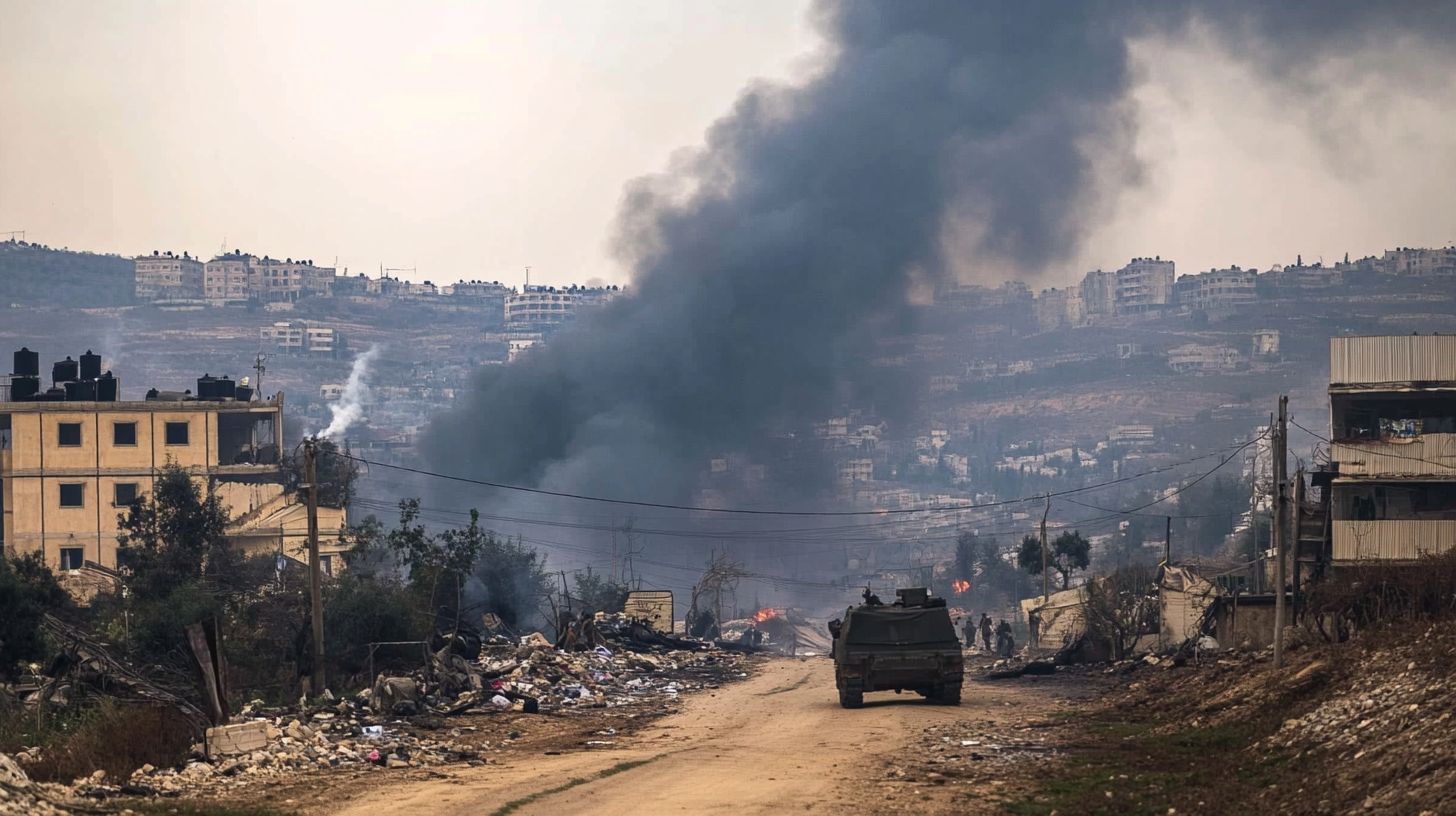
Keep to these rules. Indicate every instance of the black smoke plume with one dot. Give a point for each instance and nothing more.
(771, 262)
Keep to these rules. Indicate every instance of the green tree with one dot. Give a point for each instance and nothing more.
(512, 581)
(1213, 506)
(595, 592)
(967, 553)
(175, 535)
(28, 590)
(174, 543)
(441, 562)
(1068, 554)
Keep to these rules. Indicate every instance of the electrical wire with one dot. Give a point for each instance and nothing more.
(1392, 455)
(762, 512)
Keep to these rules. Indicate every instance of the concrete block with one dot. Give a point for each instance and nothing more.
(239, 738)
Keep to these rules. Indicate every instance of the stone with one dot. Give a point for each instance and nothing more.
(240, 738)
(11, 774)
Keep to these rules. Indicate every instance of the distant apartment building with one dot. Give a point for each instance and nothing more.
(1393, 426)
(1144, 285)
(1132, 435)
(164, 276)
(488, 297)
(1299, 277)
(1099, 293)
(271, 280)
(850, 471)
(1265, 343)
(303, 337)
(351, 285)
(545, 308)
(225, 278)
(1198, 358)
(1216, 289)
(1056, 308)
(1420, 263)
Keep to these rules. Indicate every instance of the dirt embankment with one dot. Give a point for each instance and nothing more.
(1359, 727)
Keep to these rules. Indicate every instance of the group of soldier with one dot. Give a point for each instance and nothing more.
(1005, 643)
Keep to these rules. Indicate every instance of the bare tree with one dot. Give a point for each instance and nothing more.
(1122, 606)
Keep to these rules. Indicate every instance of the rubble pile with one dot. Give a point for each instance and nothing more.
(21, 796)
(964, 748)
(401, 722)
(1387, 726)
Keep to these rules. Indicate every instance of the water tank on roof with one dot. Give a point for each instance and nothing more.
(243, 393)
(24, 387)
(206, 387)
(225, 388)
(53, 394)
(108, 388)
(81, 391)
(90, 365)
(27, 363)
(65, 371)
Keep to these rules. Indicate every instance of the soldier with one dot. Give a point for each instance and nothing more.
(1005, 644)
(1033, 622)
(986, 630)
(968, 628)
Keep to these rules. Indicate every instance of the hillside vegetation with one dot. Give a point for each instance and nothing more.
(33, 275)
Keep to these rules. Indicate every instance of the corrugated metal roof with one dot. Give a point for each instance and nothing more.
(1402, 358)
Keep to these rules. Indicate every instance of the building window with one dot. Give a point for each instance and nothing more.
(326, 565)
(123, 434)
(68, 434)
(176, 433)
(72, 558)
(124, 493)
(73, 494)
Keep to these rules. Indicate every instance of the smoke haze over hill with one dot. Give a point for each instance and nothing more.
(936, 137)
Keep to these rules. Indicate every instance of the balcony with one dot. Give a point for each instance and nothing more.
(1392, 540)
(1425, 455)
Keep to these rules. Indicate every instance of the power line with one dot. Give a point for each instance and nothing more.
(1392, 455)
(759, 512)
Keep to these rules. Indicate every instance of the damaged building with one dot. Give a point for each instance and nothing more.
(1393, 450)
(75, 456)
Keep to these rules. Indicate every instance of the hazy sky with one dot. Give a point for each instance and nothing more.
(473, 139)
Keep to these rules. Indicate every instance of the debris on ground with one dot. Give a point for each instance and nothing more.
(21, 796)
(409, 721)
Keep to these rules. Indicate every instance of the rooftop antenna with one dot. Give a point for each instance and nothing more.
(528, 276)
(12, 235)
(260, 368)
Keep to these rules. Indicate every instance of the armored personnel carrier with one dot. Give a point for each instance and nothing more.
(910, 644)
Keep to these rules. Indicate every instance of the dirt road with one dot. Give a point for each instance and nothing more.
(775, 743)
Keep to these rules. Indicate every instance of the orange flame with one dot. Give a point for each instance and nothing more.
(960, 586)
(764, 614)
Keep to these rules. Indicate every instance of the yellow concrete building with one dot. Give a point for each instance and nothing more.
(68, 470)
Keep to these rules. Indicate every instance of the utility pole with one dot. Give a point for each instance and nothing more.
(1168, 541)
(1281, 435)
(260, 368)
(315, 579)
(1045, 592)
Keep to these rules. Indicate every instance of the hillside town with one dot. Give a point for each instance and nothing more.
(817, 406)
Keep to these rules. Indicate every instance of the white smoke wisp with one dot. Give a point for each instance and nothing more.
(350, 406)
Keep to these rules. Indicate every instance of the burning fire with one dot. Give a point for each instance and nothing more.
(960, 586)
(764, 614)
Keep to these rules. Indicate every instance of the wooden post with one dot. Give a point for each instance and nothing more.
(1045, 567)
(1168, 541)
(1280, 534)
(315, 578)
